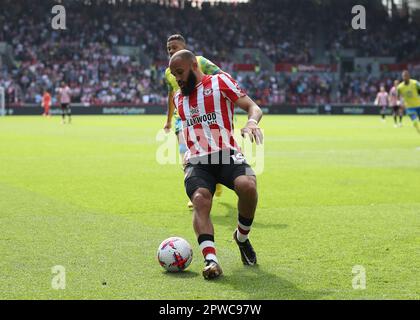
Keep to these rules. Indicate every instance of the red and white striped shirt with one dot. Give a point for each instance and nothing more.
(393, 97)
(382, 99)
(65, 94)
(207, 115)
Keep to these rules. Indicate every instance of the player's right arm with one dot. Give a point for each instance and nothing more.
(170, 105)
(171, 110)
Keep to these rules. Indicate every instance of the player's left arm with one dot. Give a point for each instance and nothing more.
(376, 102)
(254, 117)
(231, 91)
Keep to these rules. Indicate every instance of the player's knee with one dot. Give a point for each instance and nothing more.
(202, 198)
(246, 186)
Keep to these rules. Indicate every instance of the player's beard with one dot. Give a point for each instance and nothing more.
(189, 86)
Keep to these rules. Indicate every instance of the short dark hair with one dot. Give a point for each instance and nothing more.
(183, 55)
(176, 37)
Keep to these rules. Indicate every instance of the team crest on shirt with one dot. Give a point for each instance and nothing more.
(209, 118)
(207, 92)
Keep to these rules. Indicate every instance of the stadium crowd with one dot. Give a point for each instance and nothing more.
(84, 55)
(384, 35)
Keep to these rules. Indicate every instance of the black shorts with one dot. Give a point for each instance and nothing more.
(65, 107)
(395, 109)
(206, 172)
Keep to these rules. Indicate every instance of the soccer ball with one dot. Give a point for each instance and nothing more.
(174, 254)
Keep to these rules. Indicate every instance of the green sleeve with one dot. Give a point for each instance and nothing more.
(208, 67)
(168, 83)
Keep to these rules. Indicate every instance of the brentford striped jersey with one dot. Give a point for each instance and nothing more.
(382, 99)
(207, 115)
(393, 97)
(65, 94)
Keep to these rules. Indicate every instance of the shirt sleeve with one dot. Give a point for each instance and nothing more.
(208, 67)
(168, 83)
(230, 88)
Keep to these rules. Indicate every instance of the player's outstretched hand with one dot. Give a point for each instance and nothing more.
(167, 127)
(253, 131)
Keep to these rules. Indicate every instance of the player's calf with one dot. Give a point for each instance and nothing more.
(246, 188)
(202, 200)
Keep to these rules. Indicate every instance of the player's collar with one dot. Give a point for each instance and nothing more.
(204, 79)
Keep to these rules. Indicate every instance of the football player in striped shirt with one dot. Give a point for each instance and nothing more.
(382, 101)
(409, 91)
(175, 43)
(395, 104)
(64, 98)
(205, 105)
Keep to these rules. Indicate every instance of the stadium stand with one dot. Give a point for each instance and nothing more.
(90, 54)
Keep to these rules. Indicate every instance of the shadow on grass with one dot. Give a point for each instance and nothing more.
(181, 275)
(231, 218)
(260, 285)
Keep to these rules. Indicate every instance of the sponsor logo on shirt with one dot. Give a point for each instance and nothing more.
(210, 118)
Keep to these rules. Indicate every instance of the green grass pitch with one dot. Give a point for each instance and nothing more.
(336, 192)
